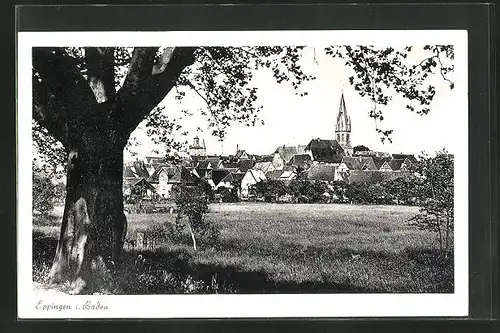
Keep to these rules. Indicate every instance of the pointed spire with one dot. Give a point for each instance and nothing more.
(343, 120)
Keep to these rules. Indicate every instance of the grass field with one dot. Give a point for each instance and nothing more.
(287, 248)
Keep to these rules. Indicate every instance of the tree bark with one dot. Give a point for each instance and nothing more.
(94, 224)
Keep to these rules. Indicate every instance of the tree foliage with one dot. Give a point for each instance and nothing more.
(436, 194)
(221, 77)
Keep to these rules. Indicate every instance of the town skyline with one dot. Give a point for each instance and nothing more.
(300, 119)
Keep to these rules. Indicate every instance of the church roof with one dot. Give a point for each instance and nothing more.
(343, 120)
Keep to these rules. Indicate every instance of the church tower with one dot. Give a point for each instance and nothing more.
(343, 128)
(197, 148)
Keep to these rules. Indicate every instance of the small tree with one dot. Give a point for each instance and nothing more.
(436, 194)
(192, 205)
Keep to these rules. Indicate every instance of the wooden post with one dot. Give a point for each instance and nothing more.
(140, 240)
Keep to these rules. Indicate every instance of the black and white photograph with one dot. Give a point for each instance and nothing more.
(240, 174)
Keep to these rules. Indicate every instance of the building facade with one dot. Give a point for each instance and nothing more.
(198, 148)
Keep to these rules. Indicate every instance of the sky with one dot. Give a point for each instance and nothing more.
(294, 120)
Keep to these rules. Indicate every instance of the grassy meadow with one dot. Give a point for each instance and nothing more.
(279, 248)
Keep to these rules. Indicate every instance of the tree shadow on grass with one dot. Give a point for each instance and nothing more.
(174, 271)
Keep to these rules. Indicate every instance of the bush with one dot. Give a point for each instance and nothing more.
(228, 194)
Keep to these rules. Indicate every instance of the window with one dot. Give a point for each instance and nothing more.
(342, 136)
(347, 137)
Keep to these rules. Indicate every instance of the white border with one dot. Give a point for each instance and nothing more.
(223, 306)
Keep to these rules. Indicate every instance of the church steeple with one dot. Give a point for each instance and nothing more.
(343, 127)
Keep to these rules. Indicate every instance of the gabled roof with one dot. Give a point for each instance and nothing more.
(263, 166)
(238, 176)
(300, 160)
(410, 157)
(287, 152)
(218, 175)
(287, 174)
(135, 169)
(257, 175)
(182, 175)
(276, 174)
(322, 172)
(328, 151)
(379, 161)
(135, 182)
(169, 169)
(239, 154)
(245, 164)
(359, 162)
(228, 179)
(395, 164)
(155, 160)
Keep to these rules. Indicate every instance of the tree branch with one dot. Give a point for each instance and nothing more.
(101, 76)
(45, 111)
(61, 96)
(147, 83)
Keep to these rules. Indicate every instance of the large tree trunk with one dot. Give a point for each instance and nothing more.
(94, 224)
(93, 121)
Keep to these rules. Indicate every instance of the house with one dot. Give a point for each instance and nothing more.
(379, 161)
(153, 162)
(160, 179)
(411, 158)
(301, 161)
(250, 178)
(222, 178)
(358, 163)
(240, 155)
(275, 174)
(392, 165)
(245, 164)
(184, 176)
(135, 182)
(325, 151)
(139, 188)
(287, 152)
(288, 175)
(264, 166)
